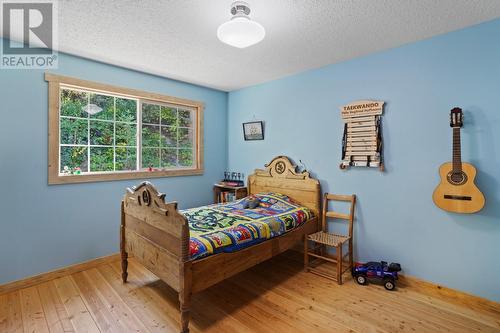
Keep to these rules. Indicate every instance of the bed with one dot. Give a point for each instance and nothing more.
(190, 252)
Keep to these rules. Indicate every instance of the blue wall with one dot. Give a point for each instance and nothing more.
(45, 227)
(396, 218)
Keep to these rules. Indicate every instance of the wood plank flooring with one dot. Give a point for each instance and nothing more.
(275, 296)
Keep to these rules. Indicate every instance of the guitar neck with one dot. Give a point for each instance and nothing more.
(457, 151)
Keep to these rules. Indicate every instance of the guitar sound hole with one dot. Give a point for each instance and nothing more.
(457, 178)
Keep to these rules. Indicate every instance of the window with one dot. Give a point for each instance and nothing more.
(96, 142)
(167, 136)
(99, 132)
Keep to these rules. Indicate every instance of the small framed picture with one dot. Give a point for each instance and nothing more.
(253, 130)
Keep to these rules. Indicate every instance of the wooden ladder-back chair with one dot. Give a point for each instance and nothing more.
(323, 239)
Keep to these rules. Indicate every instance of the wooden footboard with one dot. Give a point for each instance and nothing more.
(157, 235)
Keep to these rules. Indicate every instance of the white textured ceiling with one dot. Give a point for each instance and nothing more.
(177, 38)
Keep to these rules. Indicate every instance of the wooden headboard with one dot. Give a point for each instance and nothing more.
(280, 175)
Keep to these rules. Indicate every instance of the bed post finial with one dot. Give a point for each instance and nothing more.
(123, 252)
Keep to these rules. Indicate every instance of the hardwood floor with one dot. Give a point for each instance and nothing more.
(276, 296)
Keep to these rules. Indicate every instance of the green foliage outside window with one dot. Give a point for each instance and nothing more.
(185, 118)
(97, 136)
(150, 136)
(165, 131)
(125, 158)
(185, 137)
(107, 140)
(72, 103)
(74, 131)
(168, 116)
(168, 158)
(74, 157)
(101, 159)
(126, 134)
(150, 157)
(106, 103)
(101, 133)
(150, 114)
(169, 136)
(185, 157)
(126, 110)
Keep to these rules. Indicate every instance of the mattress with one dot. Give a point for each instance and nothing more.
(231, 227)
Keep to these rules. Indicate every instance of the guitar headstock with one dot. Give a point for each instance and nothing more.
(456, 117)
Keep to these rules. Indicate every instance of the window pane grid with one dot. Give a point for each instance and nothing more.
(114, 143)
(166, 121)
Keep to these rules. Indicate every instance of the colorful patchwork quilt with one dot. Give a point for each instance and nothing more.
(232, 226)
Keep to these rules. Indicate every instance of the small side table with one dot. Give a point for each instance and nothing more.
(219, 190)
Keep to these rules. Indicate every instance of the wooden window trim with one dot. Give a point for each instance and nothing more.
(55, 82)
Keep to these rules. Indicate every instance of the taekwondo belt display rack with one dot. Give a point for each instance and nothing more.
(362, 140)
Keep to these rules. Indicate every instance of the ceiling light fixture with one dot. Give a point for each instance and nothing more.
(240, 31)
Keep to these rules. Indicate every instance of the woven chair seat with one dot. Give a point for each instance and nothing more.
(327, 238)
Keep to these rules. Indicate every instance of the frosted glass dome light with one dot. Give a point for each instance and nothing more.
(240, 31)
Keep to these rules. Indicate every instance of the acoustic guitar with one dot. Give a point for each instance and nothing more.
(457, 192)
